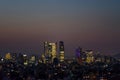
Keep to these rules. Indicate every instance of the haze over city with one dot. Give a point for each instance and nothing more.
(26, 24)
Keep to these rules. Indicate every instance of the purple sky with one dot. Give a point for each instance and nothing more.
(89, 24)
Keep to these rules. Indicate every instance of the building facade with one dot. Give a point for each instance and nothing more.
(61, 51)
(50, 50)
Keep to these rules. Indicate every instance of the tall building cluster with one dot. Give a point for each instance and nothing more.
(84, 56)
(52, 65)
(51, 49)
(55, 52)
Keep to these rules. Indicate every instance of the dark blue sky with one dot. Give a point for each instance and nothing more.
(91, 24)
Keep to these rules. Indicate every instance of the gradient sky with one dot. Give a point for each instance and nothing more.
(91, 24)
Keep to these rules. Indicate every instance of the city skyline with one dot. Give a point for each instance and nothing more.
(25, 25)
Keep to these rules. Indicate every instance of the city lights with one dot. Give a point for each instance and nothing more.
(52, 64)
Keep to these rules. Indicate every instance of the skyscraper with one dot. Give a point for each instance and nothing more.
(46, 49)
(89, 56)
(53, 50)
(78, 52)
(50, 50)
(61, 51)
(8, 56)
(79, 55)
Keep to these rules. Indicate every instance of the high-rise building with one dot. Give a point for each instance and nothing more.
(43, 58)
(78, 52)
(89, 56)
(53, 50)
(61, 51)
(78, 55)
(25, 59)
(50, 50)
(14, 56)
(32, 59)
(8, 56)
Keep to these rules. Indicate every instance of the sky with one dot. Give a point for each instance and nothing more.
(90, 24)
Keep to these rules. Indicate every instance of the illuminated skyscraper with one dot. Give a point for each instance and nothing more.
(25, 59)
(53, 50)
(50, 50)
(89, 56)
(8, 56)
(61, 51)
